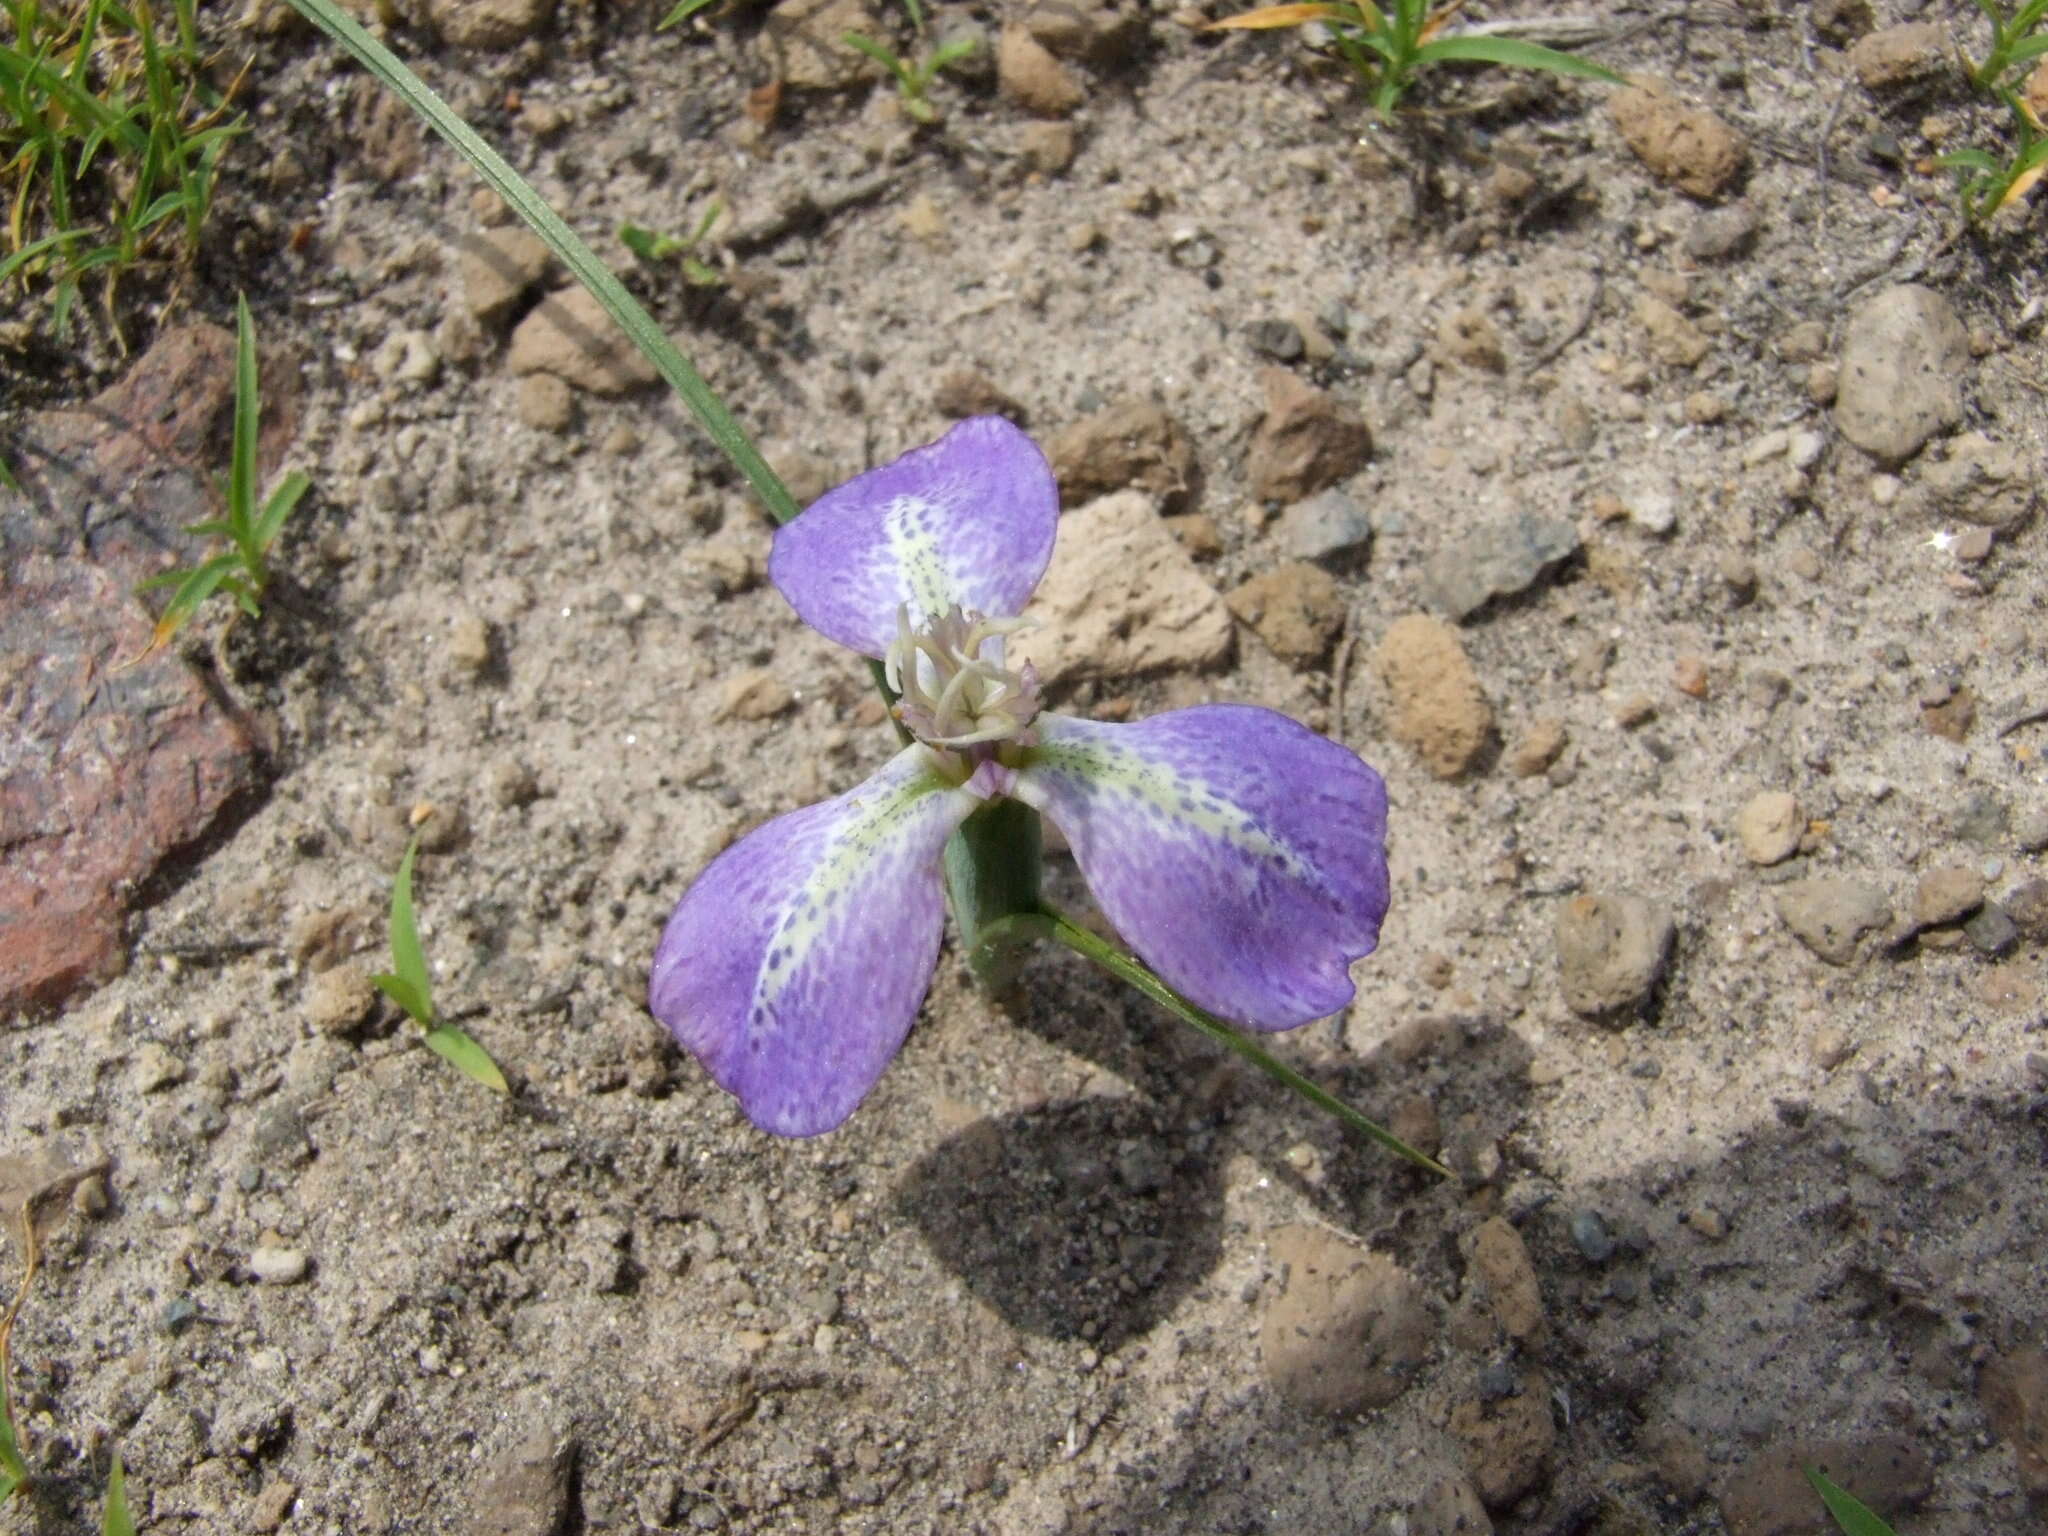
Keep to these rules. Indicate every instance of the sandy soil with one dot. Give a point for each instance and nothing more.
(1769, 1201)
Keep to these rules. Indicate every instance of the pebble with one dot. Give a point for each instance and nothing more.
(1902, 366)
(1350, 1328)
(802, 43)
(1122, 599)
(1708, 1222)
(1450, 1507)
(273, 1506)
(544, 403)
(1897, 56)
(1497, 559)
(1277, 339)
(1498, 1262)
(756, 694)
(1329, 524)
(2027, 905)
(1537, 748)
(527, 1488)
(1992, 932)
(1506, 1444)
(1769, 827)
(1469, 337)
(1436, 706)
(2030, 829)
(341, 1000)
(1768, 1495)
(468, 645)
(1611, 952)
(2013, 1390)
(1295, 608)
(277, 1266)
(569, 335)
(1687, 146)
(1306, 441)
(1049, 147)
(1130, 446)
(406, 357)
(154, 1068)
(1591, 1236)
(1829, 913)
(1946, 895)
(1989, 484)
(1028, 75)
(1673, 339)
(495, 25)
(1719, 234)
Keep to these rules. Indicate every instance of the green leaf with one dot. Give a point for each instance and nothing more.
(950, 53)
(1855, 1517)
(466, 1056)
(1969, 160)
(879, 53)
(406, 957)
(418, 1008)
(647, 244)
(279, 507)
(117, 1521)
(242, 465)
(1515, 54)
(197, 585)
(680, 14)
(13, 1470)
(634, 320)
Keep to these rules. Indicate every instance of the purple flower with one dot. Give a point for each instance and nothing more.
(1241, 855)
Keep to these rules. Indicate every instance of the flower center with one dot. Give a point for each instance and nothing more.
(955, 691)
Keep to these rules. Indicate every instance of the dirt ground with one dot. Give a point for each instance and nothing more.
(1748, 1204)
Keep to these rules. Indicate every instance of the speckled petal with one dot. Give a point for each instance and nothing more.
(1240, 854)
(794, 966)
(968, 520)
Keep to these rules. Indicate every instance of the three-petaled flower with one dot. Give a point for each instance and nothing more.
(1241, 855)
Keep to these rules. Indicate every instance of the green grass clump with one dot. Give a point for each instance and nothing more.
(1987, 182)
(116, 1520)
(1387, 46)
(915, 74)
(243, 568)
(110, 142)
(408, 985)
(1855, 1517)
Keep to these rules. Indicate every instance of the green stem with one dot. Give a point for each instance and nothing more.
(566, 244)
(1062, 929)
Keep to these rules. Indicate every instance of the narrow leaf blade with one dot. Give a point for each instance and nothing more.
(117, 1521)
(407, 959)
(418, 1008)
(242, 467)
(279, 507)
(1269, 16)
(1855, 1517)
(466, 1056)
(1514, 54)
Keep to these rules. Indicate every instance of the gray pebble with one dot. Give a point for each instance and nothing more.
(278, 1266)
(1719, 233)
(1591, 1237)
(1992, 931)
(1328, 524)
(1277, 339)
(1611, 950)
(1902, 366)
(1497, 560)
(2030, 829)
(1828, 913)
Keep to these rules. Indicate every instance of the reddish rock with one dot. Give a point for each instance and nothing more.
(1306, 441)
(1133, 446)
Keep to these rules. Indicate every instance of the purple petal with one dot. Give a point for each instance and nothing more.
(794, 966)
(1240, 854)
(968, 520)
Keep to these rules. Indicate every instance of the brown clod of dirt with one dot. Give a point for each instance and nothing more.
(1435, 701)
(1685, 145)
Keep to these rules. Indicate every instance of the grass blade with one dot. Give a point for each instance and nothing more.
(1515, 54)
(1268, 16)
(13, 1470)
(407, 959)
(466, 1056)
(197, 585)
(279, 507)
(418, 1008)
(117, 1521)
(680, 14)
(242, 466)
(709, 410)
(1855, 1517)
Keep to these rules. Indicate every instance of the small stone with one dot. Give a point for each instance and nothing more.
(1133, 446)
(1703, 408)
(1295, 608)
(1638, 709)
(756, 694)
(1953, 716)
(1769, 827)
(1591, 1236)
(155, 1068)
(544, 403)
(803, 43)
(1719, 234)
(1902, 366)
(468, 646)
(1028, 75)
(1985, 483)
(1197, 533)
(1277, 339)
(489, 24)
(1349, 1331)
(1328, 525)
(1049, 147)
(1102, 32)
(1306, 440)
(406, 357)
(510, 783)
(1768, 1495)
(1899, 56)
(341, 1000)
(1498, 1261)
(1500, 558)
(1689, 675)
(1506, 1443)
(273, 1506)
(1674, 340)
(2013, 1389)
(1537, 748)
(277, 1266)
(1803, 342)
(1611, 952)
(1436, 706)
(1708, 1222)
(1451, 1507)
(1829, 913)
(2027, 905)
(526, 1489)
(1687, 146)
(2030, 829)
(1947, 895)
(1992, 932)
(1470, 338)
(1122, 599)
(570, 336)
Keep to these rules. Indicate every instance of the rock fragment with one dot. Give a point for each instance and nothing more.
(1893, 57)
(1450, 1508)
(569, 335)
(1537, 748)
(1506, 1442)
(1901, 374)
(756, 694)
(2013, 1389)
(1329, 525)
(1498, 1260)
(1769, 826)
(1829, 913)
(1685, 145)
(489, 24)
(1611, 952)
(1122, 599)
(1306, 440)
(1498, 559)
(341, 1000)
(499, 267)
(1029, 75)
(1946, 895)
(526, 1489)
(1295, 608)
(1348, 1331)
(1134, 446)
(1976, 480)
(278, 1266)
(1436, 706)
